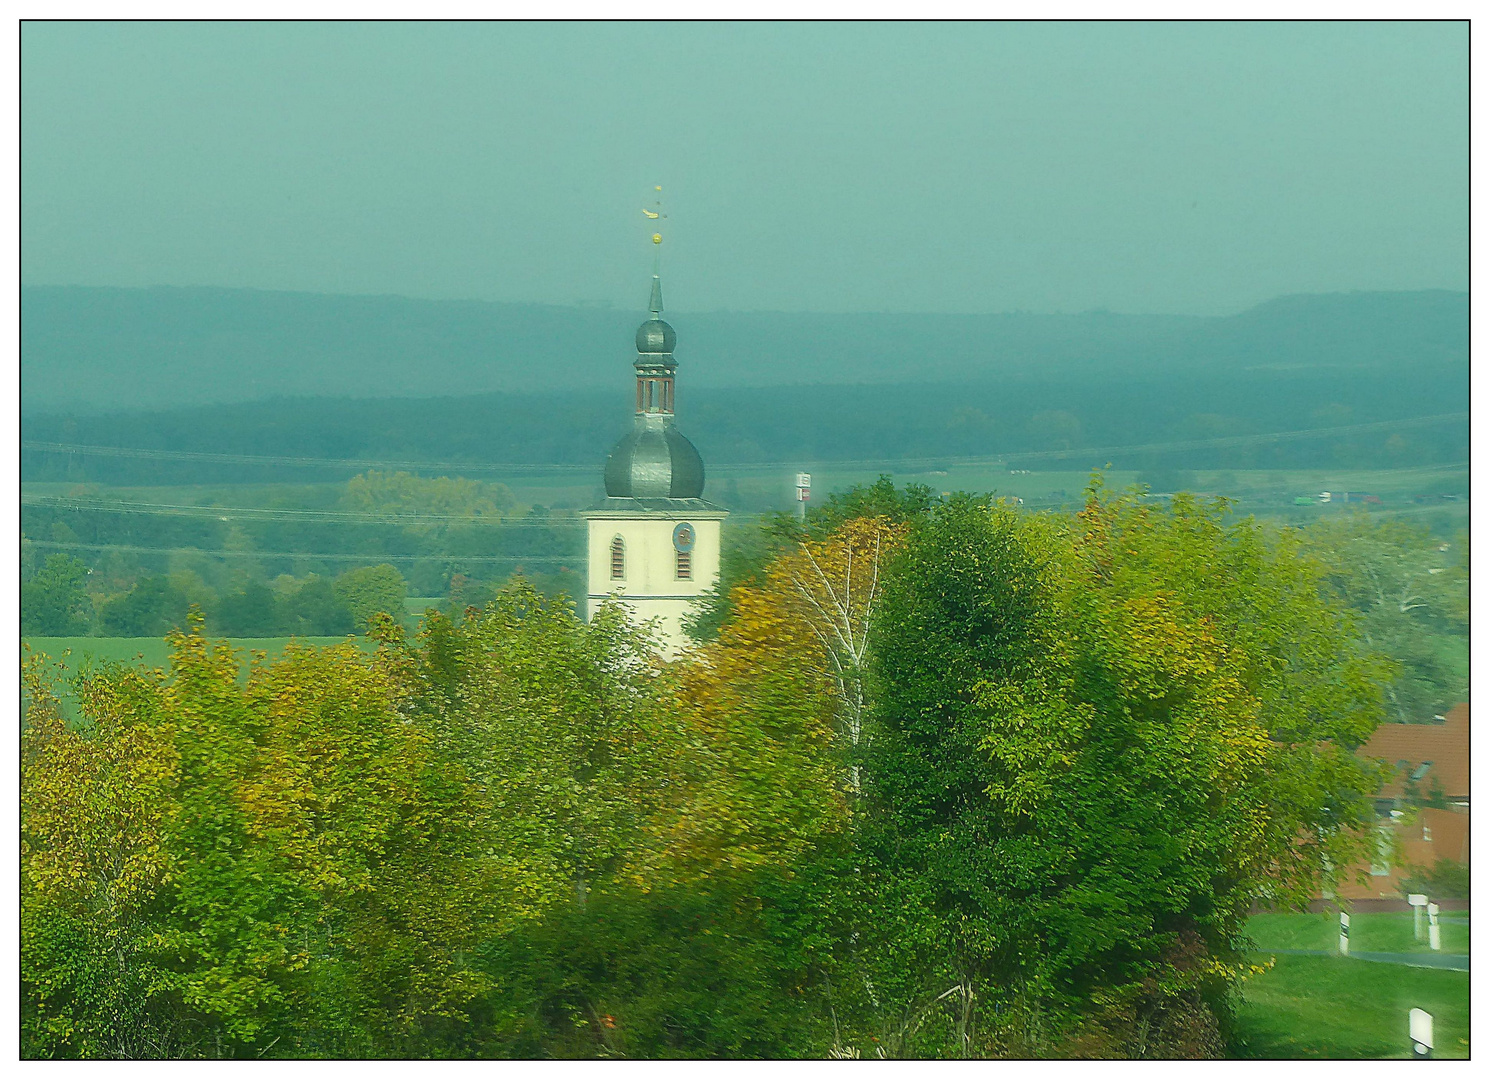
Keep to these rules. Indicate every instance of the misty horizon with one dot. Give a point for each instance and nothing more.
(1188, 169)
(641, 307)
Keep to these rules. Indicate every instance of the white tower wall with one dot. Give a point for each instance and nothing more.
(650, 587)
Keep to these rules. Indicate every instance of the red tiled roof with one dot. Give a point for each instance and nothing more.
(1444, 748)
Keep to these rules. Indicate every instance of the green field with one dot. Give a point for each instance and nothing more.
(1369, 932)
(1334, 1007)
(1330, 1007)
(753, 488)
(67, 655)
(152, 652)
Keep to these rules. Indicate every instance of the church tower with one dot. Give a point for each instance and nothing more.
(654, 541)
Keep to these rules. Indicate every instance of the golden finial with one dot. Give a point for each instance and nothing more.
(656, 215)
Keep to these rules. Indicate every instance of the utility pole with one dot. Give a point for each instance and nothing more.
(804, 492)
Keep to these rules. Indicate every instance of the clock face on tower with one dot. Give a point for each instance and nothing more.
(683, 536)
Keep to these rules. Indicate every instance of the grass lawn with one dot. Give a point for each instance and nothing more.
(1369, 932)
(1330, 1007)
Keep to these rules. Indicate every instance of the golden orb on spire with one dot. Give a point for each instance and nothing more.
(656, 238)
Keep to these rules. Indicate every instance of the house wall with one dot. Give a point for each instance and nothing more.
(1446, 837)
(1443, 750)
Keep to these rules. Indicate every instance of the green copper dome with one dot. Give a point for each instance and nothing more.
(655, 461)
(655, 336)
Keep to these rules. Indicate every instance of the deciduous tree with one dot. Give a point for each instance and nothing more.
(54, 603)
(371, 590)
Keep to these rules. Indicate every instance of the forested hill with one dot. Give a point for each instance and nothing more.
(807, 424)
(92, 349)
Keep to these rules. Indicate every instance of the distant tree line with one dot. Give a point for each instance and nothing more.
(1098, 409)
(55, 603)
(127, 593)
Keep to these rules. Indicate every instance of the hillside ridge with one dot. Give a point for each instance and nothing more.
(92, 349)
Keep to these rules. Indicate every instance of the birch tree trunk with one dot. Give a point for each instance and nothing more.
(834, 587)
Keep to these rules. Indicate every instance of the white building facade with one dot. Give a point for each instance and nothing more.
(653, 539)
(638, 561)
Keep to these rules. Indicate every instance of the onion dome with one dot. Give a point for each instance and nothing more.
(654, 462)
(655, 336)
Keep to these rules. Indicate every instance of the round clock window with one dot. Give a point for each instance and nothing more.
(683, 536)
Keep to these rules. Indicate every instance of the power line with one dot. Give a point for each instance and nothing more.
(1219, 442)
(206, 457)
(225, 513)
(340, 556)
(121, 506)
(1243, 440)
(88, 449)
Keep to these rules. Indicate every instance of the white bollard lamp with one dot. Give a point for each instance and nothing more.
(1420, 1030)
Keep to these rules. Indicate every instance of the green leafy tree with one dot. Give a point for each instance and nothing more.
(150, 609)
(95, 808)
(880, 499)
(371, 590)
(1447, 878)
(315, 610)
(1096, 747)
(712, 935)
(190, 583)
(443, 502)
(326, 859)
(55, 603)
(1411, 598)
(748, 552)
(1054, 430)
(745, 552)
(252, 611)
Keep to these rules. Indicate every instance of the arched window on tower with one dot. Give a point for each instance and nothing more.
(618, 559)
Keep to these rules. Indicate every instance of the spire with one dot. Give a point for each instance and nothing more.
(656, 215)
(655, 366)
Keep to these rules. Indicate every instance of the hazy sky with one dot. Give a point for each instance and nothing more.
(867, 167)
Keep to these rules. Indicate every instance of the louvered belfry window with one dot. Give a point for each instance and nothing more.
(617, 559)
(685, 565)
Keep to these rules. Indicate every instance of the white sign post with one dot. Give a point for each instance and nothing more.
(1418, 902)
(804, 492)
(1420, 1030)
(1344, 934)
(1433, 942)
